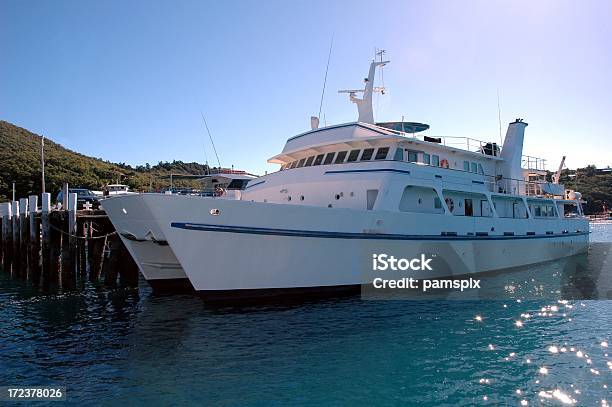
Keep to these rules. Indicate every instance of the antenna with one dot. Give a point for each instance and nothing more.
(499, 119)
(42, 162)
(325, 80)
(211, 139)
(204, 149)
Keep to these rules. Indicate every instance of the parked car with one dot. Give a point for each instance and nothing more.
(83, 196)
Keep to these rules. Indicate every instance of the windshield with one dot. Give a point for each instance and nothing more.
(82, 192)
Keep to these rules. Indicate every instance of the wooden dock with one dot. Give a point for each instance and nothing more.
(62, 247)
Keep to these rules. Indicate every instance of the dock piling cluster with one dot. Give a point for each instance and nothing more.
(62, 247)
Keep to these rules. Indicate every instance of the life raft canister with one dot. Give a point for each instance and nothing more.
(444, 163)
(450, 203)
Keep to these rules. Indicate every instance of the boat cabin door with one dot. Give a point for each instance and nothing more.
(469, 209)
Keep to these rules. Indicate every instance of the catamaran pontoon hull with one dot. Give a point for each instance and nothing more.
(147, 244)
(256, 246)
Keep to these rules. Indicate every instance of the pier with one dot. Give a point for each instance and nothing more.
(62, 247)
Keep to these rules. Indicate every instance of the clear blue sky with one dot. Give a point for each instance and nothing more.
(126, 80)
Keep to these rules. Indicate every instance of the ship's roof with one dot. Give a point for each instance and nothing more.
(356, 135)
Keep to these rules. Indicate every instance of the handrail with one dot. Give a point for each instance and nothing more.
(533, 163)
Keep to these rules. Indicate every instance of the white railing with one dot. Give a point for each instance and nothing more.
(461, 143)
(533, 163)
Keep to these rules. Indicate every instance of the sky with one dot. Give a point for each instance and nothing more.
(128, 81)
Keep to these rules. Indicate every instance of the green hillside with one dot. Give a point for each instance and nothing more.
(20, 162)
(595, 186)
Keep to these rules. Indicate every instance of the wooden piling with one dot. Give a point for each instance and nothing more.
(72, 234)
(23, 237)
(110, 267)
(128, 270)
(15, 250)
(55, 244)
(34, 241)
(7, 235)
(65, 190)
(45, 232)
(67, 270)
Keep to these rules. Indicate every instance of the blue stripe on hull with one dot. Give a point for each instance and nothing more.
(348, 235)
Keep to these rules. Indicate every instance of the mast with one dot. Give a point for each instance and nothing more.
(42, 163)
(364, 105)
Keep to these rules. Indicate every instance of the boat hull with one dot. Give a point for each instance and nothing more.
(255, 246)
(146, 243)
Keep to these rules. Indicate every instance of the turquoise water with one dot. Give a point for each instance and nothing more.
(128, 346)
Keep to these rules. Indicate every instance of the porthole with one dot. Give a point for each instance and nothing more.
(289, 198)
(215, 212)
(329, 206)
(301, 197)
(337, 196)
(420, 201)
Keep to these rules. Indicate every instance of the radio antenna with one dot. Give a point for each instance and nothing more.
(499, 119)
(331, 45)
(211, 139)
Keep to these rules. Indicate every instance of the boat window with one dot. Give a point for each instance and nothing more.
(381, 154)
(426, 159)
(353, 156)
(480, 170)
(399, 154)
(551, 211)
(282, 168)
(435, 160)
(340, 157)
(466, 166)
(300, 163)
(293, 164)
(329, 158)
(413, 156)
(537, 211)
(309, 161)
(319, 159)
(474, 167)
(367, 154)
(239, 184)
(420, 200)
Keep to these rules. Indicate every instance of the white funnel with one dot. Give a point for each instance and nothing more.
(512, 153)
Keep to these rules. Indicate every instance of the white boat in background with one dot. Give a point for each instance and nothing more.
(117, 189)
(145, 240)
(345, 192)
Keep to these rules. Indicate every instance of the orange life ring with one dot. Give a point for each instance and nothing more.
(449, 203)
(444, 163)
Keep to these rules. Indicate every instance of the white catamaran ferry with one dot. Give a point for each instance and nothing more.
(345, 192)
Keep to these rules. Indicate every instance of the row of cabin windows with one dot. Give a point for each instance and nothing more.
(381, 154)
(473, 167)
(544, 211)
(339, 158)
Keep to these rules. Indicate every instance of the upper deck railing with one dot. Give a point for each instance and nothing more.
(462, 143)
(533, 163)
